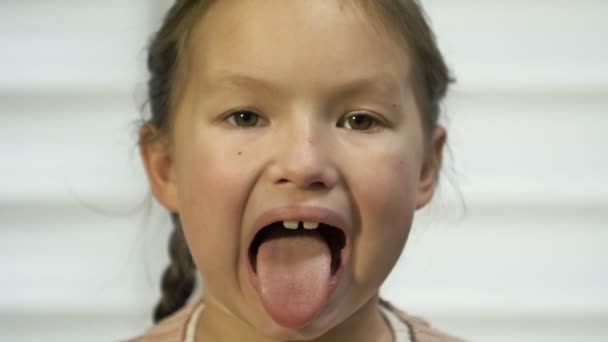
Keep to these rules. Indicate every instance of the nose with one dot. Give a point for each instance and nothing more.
(303, 159)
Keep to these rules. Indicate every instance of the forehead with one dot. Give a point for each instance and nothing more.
(320, 44)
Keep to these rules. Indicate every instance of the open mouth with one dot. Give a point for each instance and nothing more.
(333, 237)
(296, 266)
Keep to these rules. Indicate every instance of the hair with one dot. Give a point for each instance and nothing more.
(166, 54)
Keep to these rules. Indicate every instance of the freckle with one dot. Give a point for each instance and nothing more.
(240, 153)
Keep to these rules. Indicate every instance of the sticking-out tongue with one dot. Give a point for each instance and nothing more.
(293, 278)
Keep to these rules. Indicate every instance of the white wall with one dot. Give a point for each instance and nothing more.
(526, 260)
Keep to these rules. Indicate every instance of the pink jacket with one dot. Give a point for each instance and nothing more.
(173, 328)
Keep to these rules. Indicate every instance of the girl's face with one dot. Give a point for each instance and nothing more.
(294, 110)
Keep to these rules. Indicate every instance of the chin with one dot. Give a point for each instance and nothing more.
(275, 331)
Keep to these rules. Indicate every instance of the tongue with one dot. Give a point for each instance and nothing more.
(293, 275)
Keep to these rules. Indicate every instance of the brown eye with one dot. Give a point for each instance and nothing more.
(244, 118)
(359, 122)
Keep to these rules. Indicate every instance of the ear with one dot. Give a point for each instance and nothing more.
(158, 163)
(429, 175)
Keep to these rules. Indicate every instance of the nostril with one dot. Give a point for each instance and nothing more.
(314, 185)
(304, 175)
(318, 185)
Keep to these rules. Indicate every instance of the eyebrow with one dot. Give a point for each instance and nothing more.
(242, 80)
(378, 83)
(381, 83)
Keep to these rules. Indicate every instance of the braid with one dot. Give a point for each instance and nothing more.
(179, 277)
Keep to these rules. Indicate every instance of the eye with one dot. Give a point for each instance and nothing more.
(244, 118)
(358, 122)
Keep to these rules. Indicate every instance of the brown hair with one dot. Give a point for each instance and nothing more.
(405, 18)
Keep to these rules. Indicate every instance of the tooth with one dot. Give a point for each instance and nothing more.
(291, 224)
(311, 225)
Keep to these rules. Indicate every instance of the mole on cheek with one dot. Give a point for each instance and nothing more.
(239, 153)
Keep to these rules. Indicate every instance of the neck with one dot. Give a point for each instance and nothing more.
(366, 324)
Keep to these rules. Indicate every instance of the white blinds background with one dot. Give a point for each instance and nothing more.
(526, 261)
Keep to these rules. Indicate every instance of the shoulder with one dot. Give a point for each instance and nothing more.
(420, 329)
(170, 329)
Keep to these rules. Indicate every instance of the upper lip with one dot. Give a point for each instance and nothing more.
(304, 214)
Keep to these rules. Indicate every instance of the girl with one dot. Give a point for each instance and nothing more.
(292, 141)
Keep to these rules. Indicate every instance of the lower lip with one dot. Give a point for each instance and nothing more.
(333, 283)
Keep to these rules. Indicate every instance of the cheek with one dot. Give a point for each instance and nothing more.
(387, 203)
(210, 192)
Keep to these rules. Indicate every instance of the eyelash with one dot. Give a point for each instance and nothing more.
(374, 125)
(231, 118)
(375, 121)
